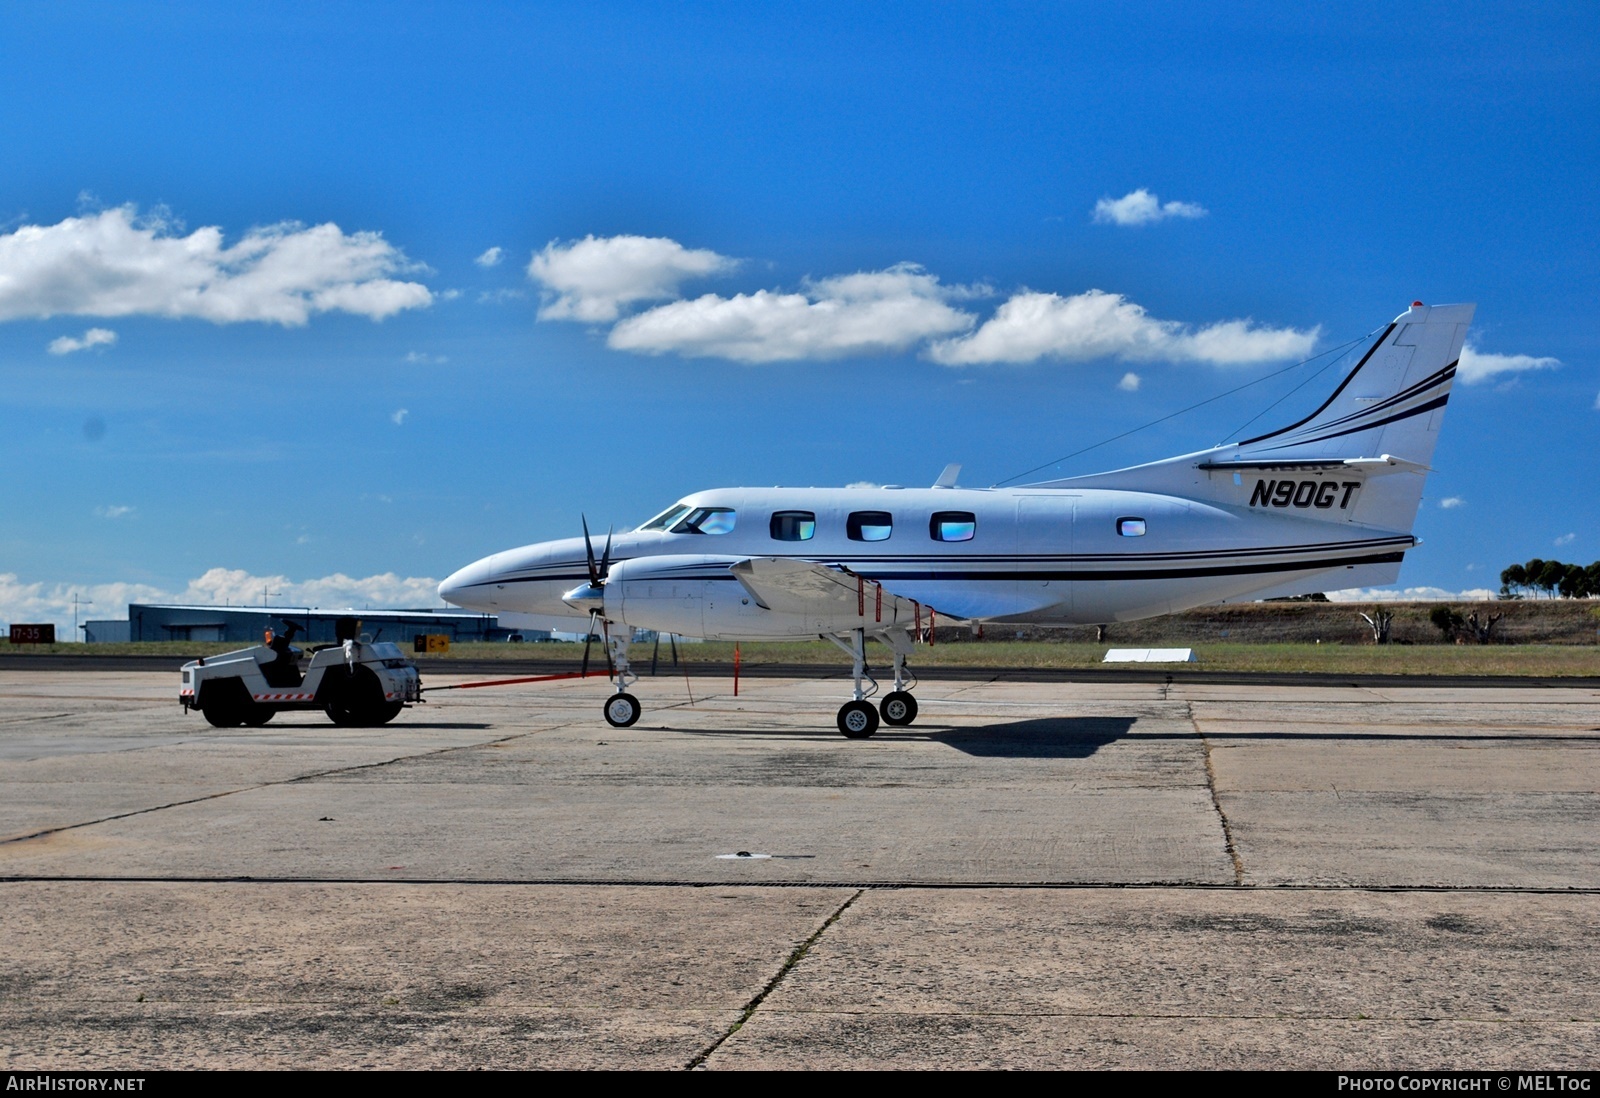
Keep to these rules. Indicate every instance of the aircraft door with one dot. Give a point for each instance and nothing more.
(1044, 550)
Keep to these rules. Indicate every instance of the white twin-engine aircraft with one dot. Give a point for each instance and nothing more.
(1328, 501)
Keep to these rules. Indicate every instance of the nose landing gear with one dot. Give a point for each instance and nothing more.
(622, 708)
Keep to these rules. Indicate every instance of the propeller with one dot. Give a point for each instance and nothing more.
(591, 596)
(597, 572)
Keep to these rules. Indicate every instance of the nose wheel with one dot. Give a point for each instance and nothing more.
(622, 710)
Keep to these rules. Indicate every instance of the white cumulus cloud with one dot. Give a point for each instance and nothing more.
(1479, 365)
(1140, 207)
(399, 416)
(1450, 502)
(594, 279)
(1566, 539)
(868, 312)
(1411, 594)
(52, 602)
(384, 591)
(94, 337)
(38, 602)
(115, 510)
(115, 263)
(1130, 382)
(491, 258)
(1097, 324)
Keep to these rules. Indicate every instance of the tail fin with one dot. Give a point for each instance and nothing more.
(1391, 403)
(1382, 419)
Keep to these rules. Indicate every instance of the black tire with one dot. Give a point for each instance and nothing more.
(221, 716)
(224, 703)
(898, 708)
(622, 710)
(388, 712)
(342, 716)
(258, 715)
(858, 719)
(358, 701)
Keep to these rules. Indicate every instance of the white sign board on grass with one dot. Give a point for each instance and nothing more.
(1150, 655)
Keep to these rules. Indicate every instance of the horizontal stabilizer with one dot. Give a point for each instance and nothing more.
(1373, 467)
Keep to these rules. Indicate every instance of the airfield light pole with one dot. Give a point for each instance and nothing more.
(265, 593)
(75, 605)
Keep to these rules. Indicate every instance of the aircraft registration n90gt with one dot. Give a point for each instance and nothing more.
(1328, 501)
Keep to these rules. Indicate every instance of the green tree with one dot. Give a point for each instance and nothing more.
(1512, 581)
(1448, 621)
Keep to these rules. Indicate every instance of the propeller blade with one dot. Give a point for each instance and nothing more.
(588, 636)
(605, 559)
(588, 547)
(611, 668)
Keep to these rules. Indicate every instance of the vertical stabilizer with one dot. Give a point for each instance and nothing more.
(1391, 403)
(1360, 458)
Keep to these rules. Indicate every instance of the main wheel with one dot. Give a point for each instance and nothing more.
(858, 719)
(622, 710)
(898, 708)
(258, 715)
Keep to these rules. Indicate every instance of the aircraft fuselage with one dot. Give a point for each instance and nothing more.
(1040, 556)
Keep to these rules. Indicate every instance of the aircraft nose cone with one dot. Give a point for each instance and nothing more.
(464, 587)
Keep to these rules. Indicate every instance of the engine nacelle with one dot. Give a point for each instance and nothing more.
(697, 596)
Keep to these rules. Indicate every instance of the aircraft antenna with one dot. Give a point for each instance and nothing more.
(1340, 349)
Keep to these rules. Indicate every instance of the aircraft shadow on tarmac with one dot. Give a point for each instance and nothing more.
(1041, 738)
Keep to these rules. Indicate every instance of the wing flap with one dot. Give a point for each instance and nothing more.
(804, 587)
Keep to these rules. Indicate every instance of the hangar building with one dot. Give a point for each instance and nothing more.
(244, 624)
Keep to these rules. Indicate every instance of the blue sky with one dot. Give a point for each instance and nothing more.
(252, 337)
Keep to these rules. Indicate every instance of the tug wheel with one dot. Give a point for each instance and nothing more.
(358, 702)
(225, 703)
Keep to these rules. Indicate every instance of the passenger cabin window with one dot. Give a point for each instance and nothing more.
(793, 526)
(707, 520)
(869, 525)
(953, 526)
(1130, 527)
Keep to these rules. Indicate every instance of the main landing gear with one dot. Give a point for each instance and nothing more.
(858, 719)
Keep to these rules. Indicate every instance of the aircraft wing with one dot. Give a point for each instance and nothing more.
(802, 587)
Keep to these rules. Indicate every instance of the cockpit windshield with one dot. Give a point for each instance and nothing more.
(666, 518)
(707, 520)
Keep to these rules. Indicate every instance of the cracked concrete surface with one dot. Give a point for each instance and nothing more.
(1033, 875)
